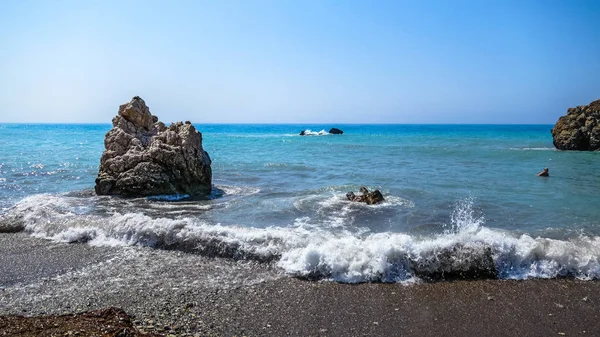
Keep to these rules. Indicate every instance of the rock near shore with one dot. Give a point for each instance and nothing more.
(144, 157)
(579, 129)
(110, 322)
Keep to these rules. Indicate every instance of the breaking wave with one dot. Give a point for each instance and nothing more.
(467, 249)
(309, 132)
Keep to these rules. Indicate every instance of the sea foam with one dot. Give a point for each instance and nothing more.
(309, 132)
(467, 249)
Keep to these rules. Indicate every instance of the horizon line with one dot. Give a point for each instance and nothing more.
(271, 123)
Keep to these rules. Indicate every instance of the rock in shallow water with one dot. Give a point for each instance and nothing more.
(579, 129)
(371, 198)
(144, 157)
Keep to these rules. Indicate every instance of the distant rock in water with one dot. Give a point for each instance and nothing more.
(579, 129)
(143, 157)
(370, 198)
(333, 131)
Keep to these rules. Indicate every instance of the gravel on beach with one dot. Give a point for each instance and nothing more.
(178, 294)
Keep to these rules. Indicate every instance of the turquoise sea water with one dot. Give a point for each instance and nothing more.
(464, 191)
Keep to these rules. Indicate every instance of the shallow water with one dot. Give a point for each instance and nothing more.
(459, 199)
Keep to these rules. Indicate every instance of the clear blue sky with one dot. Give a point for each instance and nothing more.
(299, 61)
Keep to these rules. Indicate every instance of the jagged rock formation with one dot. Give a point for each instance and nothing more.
(579, 129)
(144, 157)
(370, 198)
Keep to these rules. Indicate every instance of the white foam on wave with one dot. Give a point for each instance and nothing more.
(340, 211)
(309, 132)
(391, 257)
(238, 190)
(174, 208)
(533, 148)
(314, 250)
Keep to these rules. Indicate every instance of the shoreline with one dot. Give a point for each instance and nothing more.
(183, 294)
(460, 308)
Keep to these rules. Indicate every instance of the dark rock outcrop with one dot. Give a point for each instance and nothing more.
(579, 129)
(144, 157)
(104, 322)
(370, 198)
(336, 131)
(303, 133)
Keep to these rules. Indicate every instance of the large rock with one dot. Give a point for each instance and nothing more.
(143, 157)
(579, 129)
(336, 131)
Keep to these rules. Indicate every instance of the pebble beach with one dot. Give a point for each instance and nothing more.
(172, 299)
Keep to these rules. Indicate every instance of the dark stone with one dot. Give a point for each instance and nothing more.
(336, 131)
(579, 129)
(458, 262)
(370, 198)
(303, 133)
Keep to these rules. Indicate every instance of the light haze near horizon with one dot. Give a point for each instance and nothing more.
(299, 62)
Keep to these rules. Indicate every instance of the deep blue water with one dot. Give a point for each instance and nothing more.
(284, 194)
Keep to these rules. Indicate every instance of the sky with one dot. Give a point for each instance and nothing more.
(251, 61)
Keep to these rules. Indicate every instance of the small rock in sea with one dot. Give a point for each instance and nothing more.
(335, 131)
(144, 157)
(370, 198)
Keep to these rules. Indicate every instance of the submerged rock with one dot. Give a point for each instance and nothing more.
(336, 131)
(579, 129)
(144, 157)
(370, 198)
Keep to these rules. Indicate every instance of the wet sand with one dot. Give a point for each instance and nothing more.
(179, 294)
(26, 259)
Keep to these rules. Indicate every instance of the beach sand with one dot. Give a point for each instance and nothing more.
(181, 294)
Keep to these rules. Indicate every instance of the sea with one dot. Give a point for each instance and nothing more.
(461, 201)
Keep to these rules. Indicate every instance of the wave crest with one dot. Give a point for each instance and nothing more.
(467, 250)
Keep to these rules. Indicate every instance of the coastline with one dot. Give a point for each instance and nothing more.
(183, 294)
